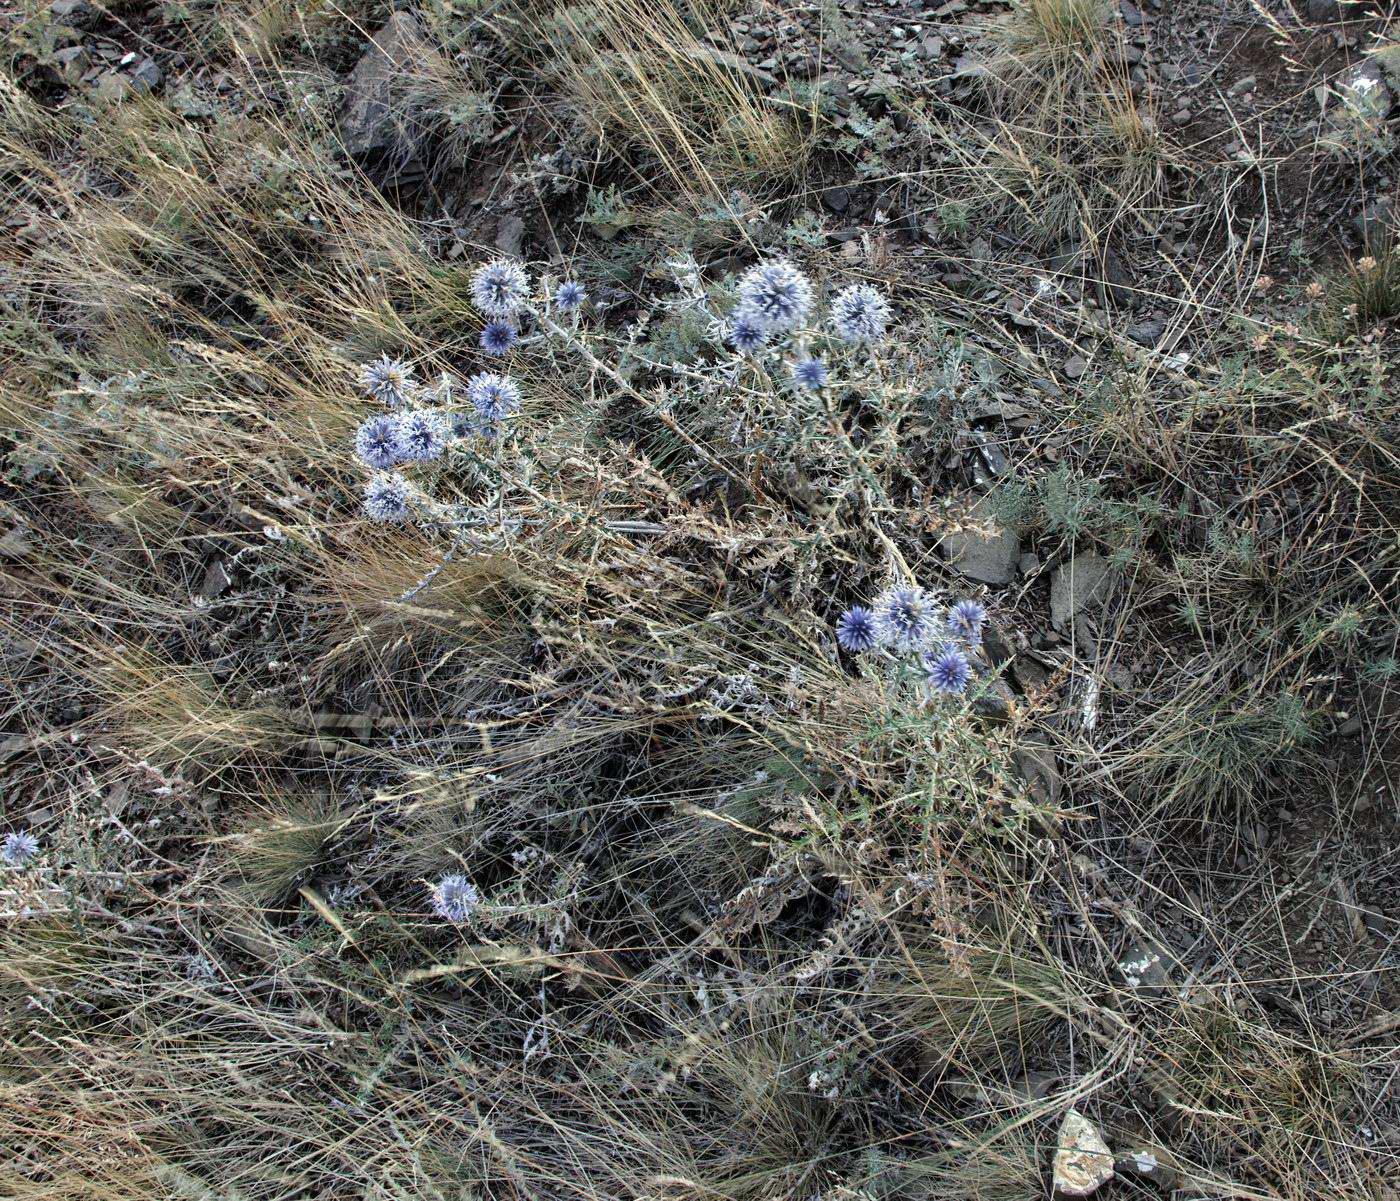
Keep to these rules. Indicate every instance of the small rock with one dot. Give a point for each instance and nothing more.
(77, 13)
(1132, 15)
(1147, 332)
(736, 63)
(1031, 675)
(1147, 1163)
(146, 77)
(1037, 767)
(15, 542)
(1080, 585)
(367, 123)
(1375, 220)
(1324, 10)
(216, 580)
(998, 647)
(188, 103)
(72, 61)
(510, 236)
(838, 200)
(1143, 964)
(995, 702)
(1075, 366)
(986, 552)
(111, 86)
(1083, 1162)
(1242, 85)
(1366, 98)
(1116, 280)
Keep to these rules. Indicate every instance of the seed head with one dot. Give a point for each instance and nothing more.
(377, 442)
(386, 497)
(904, 618)
(809, 374)
(569, 296)
(745, 335)
(856, 630)
(965, 619)
(500, 288)
(775, 296)
(497, 337)
(860, 314)
(947, 669)
(493, 396)
(455, 898)
(389, 381)
(18, 848)
(423, 435)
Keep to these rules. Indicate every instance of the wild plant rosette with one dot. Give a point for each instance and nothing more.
(422, 422)
(937, 644)
(778, 312)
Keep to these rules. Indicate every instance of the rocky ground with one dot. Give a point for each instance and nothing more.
(755, 924)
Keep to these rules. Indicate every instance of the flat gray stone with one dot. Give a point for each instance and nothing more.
(987, 551)
(368, 123)
(510, 236)
(1374, 220)
(1080, 586)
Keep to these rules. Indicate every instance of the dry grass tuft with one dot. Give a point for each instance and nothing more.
(641, 72)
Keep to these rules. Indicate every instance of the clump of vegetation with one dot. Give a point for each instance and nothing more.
(665, 602)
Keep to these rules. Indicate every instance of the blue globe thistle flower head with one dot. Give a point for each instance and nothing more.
(389, 381)
(860, 314)
(455, 898)
(493, 396)
(386, 497)
(904, 618)
(809, 374)
(18, 848)
(500, 288)
(856, 630)
(745, 335)
(570, 296)
(947, 669)
(377, 442)
(965, 619)
(422, 435)
(775, 296)
(497, 337)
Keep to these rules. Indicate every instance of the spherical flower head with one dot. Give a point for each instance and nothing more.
(18, 848)
(422, 435)
(493, 396)
(775, 296)
(455, 898)
(570, 296)
(389, 381)
(497, 337)
(745, 334)
(386, 497)
(904, 618)
(965, 619)
(860, 314)
(500, 288)
(809, 374)
(947, 669)
(377, 442)
(856, 630)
